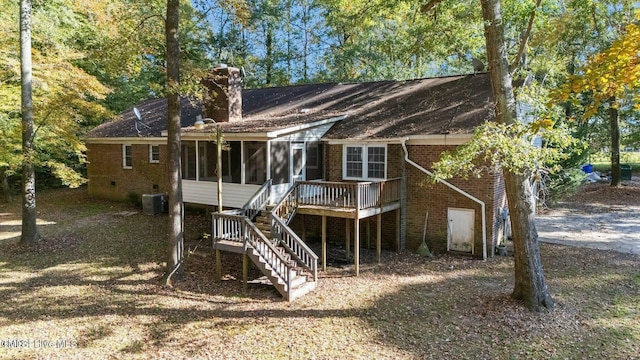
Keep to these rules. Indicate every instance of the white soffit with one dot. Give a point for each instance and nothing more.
(127, 140)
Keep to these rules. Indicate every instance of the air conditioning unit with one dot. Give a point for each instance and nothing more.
(153, 204)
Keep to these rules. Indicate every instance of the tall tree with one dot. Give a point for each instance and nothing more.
(175, 240)
(609, 80)
(29, 228)
(65, 98)
(530, 285)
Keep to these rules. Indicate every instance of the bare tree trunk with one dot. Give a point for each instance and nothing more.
(29, 228)
(4, 184)
(269, 55)
(614, 128)
(175, 241)
(530, 284)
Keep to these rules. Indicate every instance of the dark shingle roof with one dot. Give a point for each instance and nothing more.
(383, 109)
(154, 115)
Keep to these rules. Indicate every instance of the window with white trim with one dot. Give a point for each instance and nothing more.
(154, 154)
(364, 161)
(127, 158)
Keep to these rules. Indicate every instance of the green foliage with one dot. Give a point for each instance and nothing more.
(509, 147)
(561, 185)
(65, 96)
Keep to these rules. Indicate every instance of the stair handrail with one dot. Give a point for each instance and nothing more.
(281, 215)
(298, 249)
(258, 201)
(267, 251)
(286, 208)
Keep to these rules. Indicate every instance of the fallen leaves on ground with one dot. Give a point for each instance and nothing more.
(90, 290)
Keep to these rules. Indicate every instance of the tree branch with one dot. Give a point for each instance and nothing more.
(525, 39)
(428, 6)
(141, 22)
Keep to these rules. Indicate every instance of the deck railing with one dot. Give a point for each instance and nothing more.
(295, 246)
(268, 252)
(281, 215)
(227, 226)
(286, 208)
(362, 195)
(238, 228)
(258, 201)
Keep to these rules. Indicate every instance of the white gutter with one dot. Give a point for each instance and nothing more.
(482, 204)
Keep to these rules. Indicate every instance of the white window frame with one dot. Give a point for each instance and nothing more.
(365, 161)
(124, 156)
(151, 159)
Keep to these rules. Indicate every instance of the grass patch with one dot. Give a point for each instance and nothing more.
(602, 162)
(93, 282)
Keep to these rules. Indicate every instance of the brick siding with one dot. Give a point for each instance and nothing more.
(108, 179)
(436, 198)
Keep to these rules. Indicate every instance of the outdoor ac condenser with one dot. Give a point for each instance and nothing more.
(153, 204)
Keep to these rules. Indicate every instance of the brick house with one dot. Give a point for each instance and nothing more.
(351, 160)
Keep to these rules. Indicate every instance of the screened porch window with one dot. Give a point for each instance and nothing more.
(207, 155)
(255, 160)
(188, 163)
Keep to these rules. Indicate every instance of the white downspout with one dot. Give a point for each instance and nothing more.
(482, 204)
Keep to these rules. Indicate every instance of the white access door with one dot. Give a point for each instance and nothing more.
(298, 162)
(460, 229)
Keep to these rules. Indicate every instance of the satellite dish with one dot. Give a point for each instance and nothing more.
(478, 65)
(137, 112)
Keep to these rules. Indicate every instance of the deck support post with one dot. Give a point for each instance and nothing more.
(356, 244)
(348, 236)
(245, 270)
(218, 266)
(379, 237)
(368, 233)
(398, 230)
(356, 240)
(304, 229)
(324, 243)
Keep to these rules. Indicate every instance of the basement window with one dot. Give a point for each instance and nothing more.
(127, 159)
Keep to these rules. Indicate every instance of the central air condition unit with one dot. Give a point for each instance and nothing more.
(153, 204)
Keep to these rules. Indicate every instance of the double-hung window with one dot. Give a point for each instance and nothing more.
(127, 159)
(154, 154)
(364, 161)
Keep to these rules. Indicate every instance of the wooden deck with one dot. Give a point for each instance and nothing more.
(230, 246)
(347, 200)
(350, 200)
(345, 212)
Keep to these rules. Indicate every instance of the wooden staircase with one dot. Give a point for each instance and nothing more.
(284, 259)
(263, 222)
(300, 282)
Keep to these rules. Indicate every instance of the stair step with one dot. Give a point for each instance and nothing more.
(301, 281)
(297, 281)
(304, 289)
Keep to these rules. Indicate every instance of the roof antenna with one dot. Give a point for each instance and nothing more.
(139, 120)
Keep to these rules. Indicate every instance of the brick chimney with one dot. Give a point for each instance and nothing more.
(223, 94)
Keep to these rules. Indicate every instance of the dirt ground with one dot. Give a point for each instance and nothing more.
(598, 217)
(89, 290)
